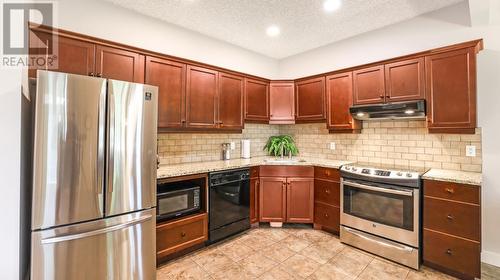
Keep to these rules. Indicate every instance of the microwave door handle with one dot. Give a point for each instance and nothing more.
(377, 189)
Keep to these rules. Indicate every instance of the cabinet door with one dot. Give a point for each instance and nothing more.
(254, 200)
(73, 56)
(451, 89)
(369, 85)
(170, 78)
(339, 100)
(201, 97)
(272, 199)
(118, 64)
(256, 101)
(404, 80)
(230, 101)
(281, 102)
(300, 200)
(310, 99)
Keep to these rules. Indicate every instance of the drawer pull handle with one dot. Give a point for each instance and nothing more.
(450, 217)
(327, 191)
(183, 234)
(449, 252)
(327, 172)
(450, 190)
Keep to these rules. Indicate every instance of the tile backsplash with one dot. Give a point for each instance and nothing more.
(391, 142)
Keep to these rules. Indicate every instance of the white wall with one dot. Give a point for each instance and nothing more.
(107, 21)
(10, 151)
(447, 26)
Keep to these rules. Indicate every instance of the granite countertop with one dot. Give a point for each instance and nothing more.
(174, 170)
(459, 177)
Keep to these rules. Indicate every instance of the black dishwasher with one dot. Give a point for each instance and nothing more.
(229, 204)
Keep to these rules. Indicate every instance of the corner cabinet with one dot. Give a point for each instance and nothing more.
(310, 100)
(339, 90)
(281, 103)
(451, 91)
(256, 101)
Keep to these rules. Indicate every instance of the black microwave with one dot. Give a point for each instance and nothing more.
(177, 202)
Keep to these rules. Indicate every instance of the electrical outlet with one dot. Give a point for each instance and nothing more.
(233, 146)
(332, 146)
(470, 151)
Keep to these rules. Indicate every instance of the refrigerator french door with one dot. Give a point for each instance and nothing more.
(94, 179)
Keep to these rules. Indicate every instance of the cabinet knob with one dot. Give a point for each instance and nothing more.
(99, 75)
(449, 252)
(449, 217)
(381, 96)
(326, 215)
(183, 234)
(327, 191)
(91, 74)
(327, 172)
(450, 190)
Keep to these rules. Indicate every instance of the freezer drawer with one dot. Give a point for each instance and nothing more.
(121, 247)
(131, 159)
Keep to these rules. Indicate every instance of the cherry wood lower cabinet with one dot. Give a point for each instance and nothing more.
(177, 235)
(254, 195)
(286, 194)
(327, 199)
(339, 99)
(452, 228)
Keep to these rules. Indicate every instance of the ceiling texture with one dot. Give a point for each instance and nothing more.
(304, 24)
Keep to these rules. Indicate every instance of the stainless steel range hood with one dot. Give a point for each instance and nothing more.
(390, 111)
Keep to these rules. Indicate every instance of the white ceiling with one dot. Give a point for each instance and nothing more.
(304, 24)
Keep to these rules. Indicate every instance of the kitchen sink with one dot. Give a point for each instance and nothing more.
(284, 160)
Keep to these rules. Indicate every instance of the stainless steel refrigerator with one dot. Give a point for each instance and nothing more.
(94, 179)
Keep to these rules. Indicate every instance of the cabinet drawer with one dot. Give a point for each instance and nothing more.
(454, 218)
(327, 216)
(452, 191)
(327, 192)
(327, 173)
(178, 235)
(286, 171)
(254, 172)
(452, 253)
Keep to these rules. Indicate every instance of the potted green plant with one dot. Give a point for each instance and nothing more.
(281, 145)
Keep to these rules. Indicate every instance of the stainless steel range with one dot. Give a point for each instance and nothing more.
(381, 211)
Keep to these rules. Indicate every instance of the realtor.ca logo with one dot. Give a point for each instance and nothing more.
(21, 46)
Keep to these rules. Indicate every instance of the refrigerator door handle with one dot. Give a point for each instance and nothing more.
(95, 232)
(111, 141)
(101, 122)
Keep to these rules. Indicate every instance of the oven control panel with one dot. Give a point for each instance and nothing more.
(380, 173)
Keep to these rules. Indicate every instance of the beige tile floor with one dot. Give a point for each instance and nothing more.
(292, 253)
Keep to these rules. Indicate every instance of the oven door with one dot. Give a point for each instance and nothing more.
(380, 209)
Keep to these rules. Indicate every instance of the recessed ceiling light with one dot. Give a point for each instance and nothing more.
(273, 31)
(332, 5)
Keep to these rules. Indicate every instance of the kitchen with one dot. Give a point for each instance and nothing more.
(218, 100)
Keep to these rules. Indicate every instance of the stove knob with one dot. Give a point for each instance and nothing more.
(354, 169)
(409, 175)
(399, 174)
(347, 168)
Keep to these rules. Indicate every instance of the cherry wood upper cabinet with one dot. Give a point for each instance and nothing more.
(451, 91)
(201, 97)
(281, 102)
(310, 99)
(230, 105)
(369, 85)
(300, 200)
(170, 78)
(73, 56)
(272, 196)
(256, 101)
(339, 100)
(405, 80)
(118, 64)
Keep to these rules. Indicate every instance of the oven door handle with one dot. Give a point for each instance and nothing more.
(377, 189)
